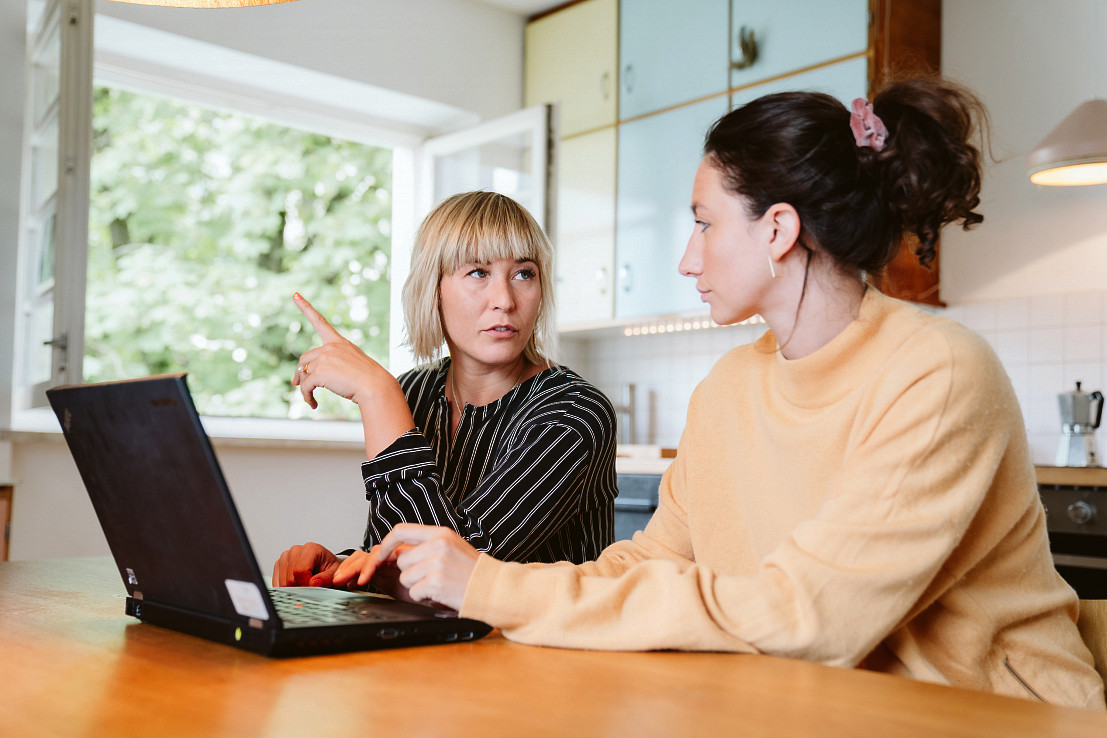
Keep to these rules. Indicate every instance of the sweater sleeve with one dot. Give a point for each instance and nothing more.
(927, 447)
(540, 481)
(665, 536)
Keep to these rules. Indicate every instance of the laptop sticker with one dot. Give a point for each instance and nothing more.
(247, 599)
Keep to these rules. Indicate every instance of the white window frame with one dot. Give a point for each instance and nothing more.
(72, 20)
(408, 139)
(534, 123)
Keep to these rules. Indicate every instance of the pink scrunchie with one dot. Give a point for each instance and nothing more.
(868, 129)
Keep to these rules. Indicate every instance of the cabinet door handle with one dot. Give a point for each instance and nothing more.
(628, 78)
(626, 277)
(601, 280)
(605, 85)
(748, 44)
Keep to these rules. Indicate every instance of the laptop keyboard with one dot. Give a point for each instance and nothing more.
(295, 606)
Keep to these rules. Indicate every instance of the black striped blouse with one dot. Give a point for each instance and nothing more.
(529, 477)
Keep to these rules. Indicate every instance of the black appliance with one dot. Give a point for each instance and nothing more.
(636, 502)
(1075, 500)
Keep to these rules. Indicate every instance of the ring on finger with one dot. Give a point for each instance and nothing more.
(304, 368)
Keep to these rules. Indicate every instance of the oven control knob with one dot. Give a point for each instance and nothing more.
(1081, 512)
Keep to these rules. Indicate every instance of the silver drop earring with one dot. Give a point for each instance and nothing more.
(772, 267)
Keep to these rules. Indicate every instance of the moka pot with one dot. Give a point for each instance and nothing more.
(1080, 415)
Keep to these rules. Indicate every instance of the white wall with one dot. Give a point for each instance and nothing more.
(285, 495)
(1032, 63)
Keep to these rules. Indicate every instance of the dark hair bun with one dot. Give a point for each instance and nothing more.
(856, 203)
(930, 171)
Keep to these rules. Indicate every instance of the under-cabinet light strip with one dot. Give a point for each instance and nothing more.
(679, 325)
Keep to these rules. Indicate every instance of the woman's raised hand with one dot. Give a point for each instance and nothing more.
(338, 365)
(434, 565)
(345, 370)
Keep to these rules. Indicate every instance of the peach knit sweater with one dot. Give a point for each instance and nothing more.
(870, 505)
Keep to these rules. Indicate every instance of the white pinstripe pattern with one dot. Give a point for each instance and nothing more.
(529, 477)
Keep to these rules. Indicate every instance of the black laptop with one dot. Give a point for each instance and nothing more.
(179, 544)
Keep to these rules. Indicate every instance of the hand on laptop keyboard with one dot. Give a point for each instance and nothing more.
(302, 566)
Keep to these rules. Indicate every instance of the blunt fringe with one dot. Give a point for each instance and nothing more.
(474, 227)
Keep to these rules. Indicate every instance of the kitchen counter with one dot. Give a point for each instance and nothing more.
(643, 459)
(633, 465)
(1072, 476)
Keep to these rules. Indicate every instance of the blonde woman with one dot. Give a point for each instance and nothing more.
(494, 441)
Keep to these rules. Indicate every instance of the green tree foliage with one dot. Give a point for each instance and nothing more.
(201, 226)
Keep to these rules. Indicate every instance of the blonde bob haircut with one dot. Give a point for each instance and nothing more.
(474, 228)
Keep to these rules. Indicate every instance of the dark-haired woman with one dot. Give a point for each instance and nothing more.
(855, 488)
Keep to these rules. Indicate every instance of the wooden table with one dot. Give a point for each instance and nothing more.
(72, 664)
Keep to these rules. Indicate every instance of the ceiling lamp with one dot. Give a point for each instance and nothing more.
(205, 3)
(1075, 152)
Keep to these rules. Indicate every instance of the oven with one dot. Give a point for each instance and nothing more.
(636, 502)
(1075, 500)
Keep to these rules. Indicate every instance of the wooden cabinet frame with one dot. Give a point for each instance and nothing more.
(905, 39)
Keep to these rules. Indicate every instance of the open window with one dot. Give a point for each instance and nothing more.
(50, 296)
(510, 155)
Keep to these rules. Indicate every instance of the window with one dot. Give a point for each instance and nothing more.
(202, 223)
(50, 291)
(144, 272)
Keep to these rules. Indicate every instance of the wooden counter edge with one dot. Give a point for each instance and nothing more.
(1072, 476)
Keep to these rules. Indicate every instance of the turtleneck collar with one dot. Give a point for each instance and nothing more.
(830, 373)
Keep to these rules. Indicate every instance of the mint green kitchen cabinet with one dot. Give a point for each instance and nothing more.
(658, 157)
(845, 80)
(792, 35)
(671, 52)
(681, 64)
(586, 227)
(571, 61)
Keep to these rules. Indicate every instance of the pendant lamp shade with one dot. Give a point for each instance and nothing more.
(1075, 152)
(205, 3)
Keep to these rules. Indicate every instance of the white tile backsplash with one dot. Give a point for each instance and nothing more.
(1013, 347)
(1083, 308)
(980, 316)
(1012, 314)
(1046, 310)
(1046, 343)
(1083, 343)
